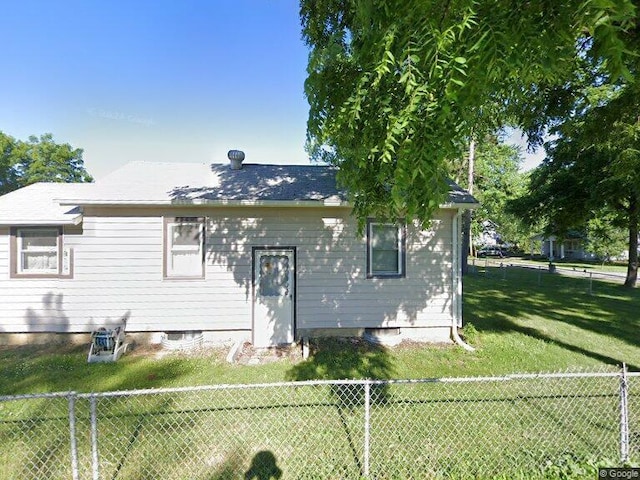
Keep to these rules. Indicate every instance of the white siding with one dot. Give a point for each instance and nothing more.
(118, 269)
(4, 253)
(333, 289)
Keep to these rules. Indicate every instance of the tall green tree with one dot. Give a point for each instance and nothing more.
(9, 157)
(39, 159)
(592, 170)
(605, 238)
(395, 85)
(497, 179)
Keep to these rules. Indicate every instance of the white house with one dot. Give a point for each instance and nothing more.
(270, 253)
(569, 247)
(489, 237)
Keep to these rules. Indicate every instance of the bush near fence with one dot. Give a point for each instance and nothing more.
(516, 426)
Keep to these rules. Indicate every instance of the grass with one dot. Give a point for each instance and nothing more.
(529, 322)
(518, 322)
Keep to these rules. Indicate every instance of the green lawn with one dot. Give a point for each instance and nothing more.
(521, 323)
(532, 322)
(518, 322)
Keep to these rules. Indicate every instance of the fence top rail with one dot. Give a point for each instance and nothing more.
(222, 386)
(504, 262)
(307, 383)
(34, 396)
(510, 377)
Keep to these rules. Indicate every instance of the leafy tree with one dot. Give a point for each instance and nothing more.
(496, 180)
(592, 170)
(605, 238)
(394, 86)
(8, 159)
(39, 159)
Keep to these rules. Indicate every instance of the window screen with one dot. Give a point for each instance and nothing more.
(184, 248)
(385, 249)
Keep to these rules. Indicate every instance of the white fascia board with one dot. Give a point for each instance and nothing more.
(26, 222)
(140, 203)
(330, 202)
(460, 206)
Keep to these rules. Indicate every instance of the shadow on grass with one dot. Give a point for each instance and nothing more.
(348, 359)
(263, 467)
(511, 302)
(343, 358)
(133, 438)
(38, 369)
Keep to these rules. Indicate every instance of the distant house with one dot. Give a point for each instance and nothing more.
(268, 253)
(489, 236)
(569, 247)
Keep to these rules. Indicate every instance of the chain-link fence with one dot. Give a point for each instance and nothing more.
(550, 274)
(517, 426)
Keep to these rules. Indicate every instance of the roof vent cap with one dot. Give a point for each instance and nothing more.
(236, 157)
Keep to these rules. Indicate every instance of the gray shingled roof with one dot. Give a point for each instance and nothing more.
(255, 182)
(36, 204)
(165, 183)
(458, 195)
(150, 183)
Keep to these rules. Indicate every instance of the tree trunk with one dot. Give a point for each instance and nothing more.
(632, 268)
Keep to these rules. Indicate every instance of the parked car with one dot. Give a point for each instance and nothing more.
(493, 251)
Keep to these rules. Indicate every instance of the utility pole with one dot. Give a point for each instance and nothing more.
(466, 223)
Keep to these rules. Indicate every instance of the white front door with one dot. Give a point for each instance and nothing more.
(274, 274)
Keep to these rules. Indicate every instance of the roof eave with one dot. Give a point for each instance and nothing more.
(329, 202)
(75, 220)
(460, 205)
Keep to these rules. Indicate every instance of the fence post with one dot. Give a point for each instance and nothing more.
(590, 283)
(72, 433)
(95, 463)
(539, 276)
(367, 432)
(624, 416)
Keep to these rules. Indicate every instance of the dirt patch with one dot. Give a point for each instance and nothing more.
(408, 345)
(249, 355)
(135, 349)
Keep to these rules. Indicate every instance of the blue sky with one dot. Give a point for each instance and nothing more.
(172, 81)
(157, 81)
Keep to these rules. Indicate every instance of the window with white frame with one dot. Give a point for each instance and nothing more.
(385, 250)
(37, 251)
(184, 244)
